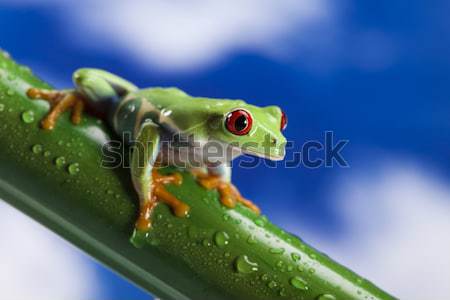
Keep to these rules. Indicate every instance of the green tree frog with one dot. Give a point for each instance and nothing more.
(172, 127)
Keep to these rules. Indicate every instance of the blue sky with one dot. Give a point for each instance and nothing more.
(374, 73)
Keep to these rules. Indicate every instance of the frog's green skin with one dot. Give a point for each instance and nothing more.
(152, 116)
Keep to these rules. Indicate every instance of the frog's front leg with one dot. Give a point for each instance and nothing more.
(147, 182)
(219, 177)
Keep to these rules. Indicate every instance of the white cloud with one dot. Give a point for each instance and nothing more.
(407, 214)
(176, 36)
(187, 35)
(35, 264)
(397, 225)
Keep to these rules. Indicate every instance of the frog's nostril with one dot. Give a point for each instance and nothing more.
(274, 141)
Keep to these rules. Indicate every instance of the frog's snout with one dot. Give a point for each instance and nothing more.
(276, 148)
(278, 143)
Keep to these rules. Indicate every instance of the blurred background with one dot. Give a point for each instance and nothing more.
(376, 73)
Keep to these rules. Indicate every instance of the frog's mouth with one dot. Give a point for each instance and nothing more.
(277, 156)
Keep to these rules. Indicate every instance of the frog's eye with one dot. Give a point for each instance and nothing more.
(239, 122)
(284, 121)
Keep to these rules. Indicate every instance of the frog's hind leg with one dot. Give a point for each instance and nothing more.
(150, 185)
(103, 89)
(95, 89)
(59, 102)
(220, 180)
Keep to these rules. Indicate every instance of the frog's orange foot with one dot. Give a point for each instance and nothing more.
(160, 194)
(59, 102)
(229, 194)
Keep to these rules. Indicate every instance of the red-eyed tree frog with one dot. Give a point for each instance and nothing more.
(158, 119)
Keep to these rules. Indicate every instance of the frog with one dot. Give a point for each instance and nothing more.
(171, 127)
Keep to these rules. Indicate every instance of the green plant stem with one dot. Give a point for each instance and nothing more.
(216, 253)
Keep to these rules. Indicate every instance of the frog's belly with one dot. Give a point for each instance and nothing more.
(196, 157)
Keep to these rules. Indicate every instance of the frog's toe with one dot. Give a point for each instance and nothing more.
(160, 193)
(44, 94)
(59, 102)
(181, 210)
(143, 222)
(229, 194)
(249, 204)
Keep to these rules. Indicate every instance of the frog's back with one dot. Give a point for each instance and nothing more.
(162, 106)
(162, 97)
(143, 105)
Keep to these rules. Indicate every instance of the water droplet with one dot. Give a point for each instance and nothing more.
(298, 283)
(312, 256)
(276, 250)
(280, 264)
(311, 271)
(60, 142)
(47, 153)
(73, 168)
(326, 297)
(272, 284)
(2, 107)
(10, 92)
(154, 242)
(109, 192)
(264, 277)
(221, 238)
(251, 239)
(60, 161)
(244, 265)
(226, 217)
(37, 149)
(28, 116)
(283, 292)
(261, 221)
(206, 243)
(295, 257)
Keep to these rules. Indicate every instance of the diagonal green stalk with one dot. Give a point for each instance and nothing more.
(216, 253)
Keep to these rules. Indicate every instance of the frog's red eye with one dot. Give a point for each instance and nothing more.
(284, 121)
(239, 122)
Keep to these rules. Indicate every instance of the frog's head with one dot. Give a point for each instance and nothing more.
(252, 130)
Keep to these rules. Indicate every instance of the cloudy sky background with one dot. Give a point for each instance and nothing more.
(374, 73)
